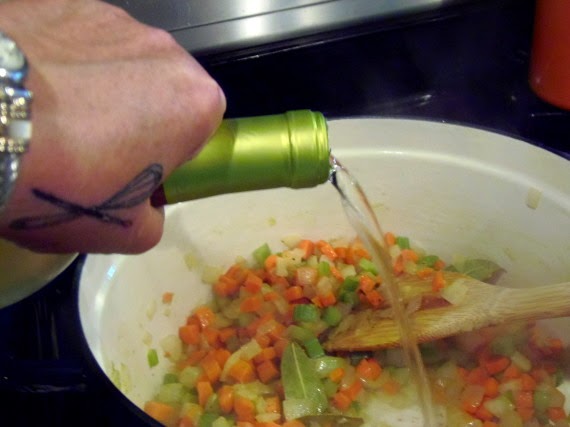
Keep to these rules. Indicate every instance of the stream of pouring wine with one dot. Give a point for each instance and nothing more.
(365, 222)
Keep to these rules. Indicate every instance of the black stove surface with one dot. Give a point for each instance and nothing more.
(466, 66)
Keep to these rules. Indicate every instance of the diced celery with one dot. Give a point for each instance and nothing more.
(207, 419)
(330, 387)
(521, 361)
(428, 260)
(171, 393)
(222, 422)
(349, 297)
(326, 364)
(324, 268)
(313, 348)
(152, 357)
(212, 404)
(503, 345)
(299, 334)
(332, 315)
(350, 283)
(169, 378)
(546, 396)
(403, 242)
(367, 265)
(306, 313)
(261, 253)
(189, 376)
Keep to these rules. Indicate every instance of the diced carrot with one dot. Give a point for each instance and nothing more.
(293, 293)
(327, 250)
(279, 346)
(512, 372)
(438, 281)
(398, 267)
(374, 298)
(390, 238)
(477, 375)
(267, 371)
(226, 286)
(556, 413)
(167, 297)
(336, 375)
(341, 252)
(368, 369)
(424, 273)
(189, 334)
(161, 412)
(186, 422)
(267, 353)
(221, 355)
(245, 424)
(244, 409)
(211, 368)
(496, 364)
(270, 262)
(195, 357)
(491, 385)
(528, 383)
(439, 265)
(251, 304)
(252, 283)
(205, 390)
(263, 340)
(271, 296)
(326, 300)
(353, 389)
(205, 315)
(227, 333)
(366, 283)
(483, 413)
(242, 371)
(237, 272)
(410, 255)
(341, 400)
(308, 248)
(336, 273)
(212, 336)
(226, 398)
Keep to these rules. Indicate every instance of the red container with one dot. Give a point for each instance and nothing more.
(550, 56)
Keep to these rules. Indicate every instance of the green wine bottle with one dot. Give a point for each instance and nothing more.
(254, 153)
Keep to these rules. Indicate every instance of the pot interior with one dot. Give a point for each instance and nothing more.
(453, 190)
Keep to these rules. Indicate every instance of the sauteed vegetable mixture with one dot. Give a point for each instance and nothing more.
(253, 357)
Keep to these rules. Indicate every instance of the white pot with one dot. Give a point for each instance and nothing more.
(451, 189)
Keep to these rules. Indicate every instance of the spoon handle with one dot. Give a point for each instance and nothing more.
(532, 304)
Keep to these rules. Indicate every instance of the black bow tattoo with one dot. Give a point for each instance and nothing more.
(134, 193)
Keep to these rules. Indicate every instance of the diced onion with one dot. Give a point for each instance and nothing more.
(456, 292)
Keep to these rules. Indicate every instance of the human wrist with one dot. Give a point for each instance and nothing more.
(15, 117)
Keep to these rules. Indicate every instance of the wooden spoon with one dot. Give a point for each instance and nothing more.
(482, 305)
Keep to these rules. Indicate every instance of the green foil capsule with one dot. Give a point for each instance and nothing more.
(254, 153)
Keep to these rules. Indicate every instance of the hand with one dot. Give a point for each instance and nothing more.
(117, 106)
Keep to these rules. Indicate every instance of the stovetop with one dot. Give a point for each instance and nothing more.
(467, 65)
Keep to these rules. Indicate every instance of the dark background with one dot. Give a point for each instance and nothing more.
(466, 65)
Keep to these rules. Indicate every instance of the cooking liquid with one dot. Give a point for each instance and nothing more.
(365, 222)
